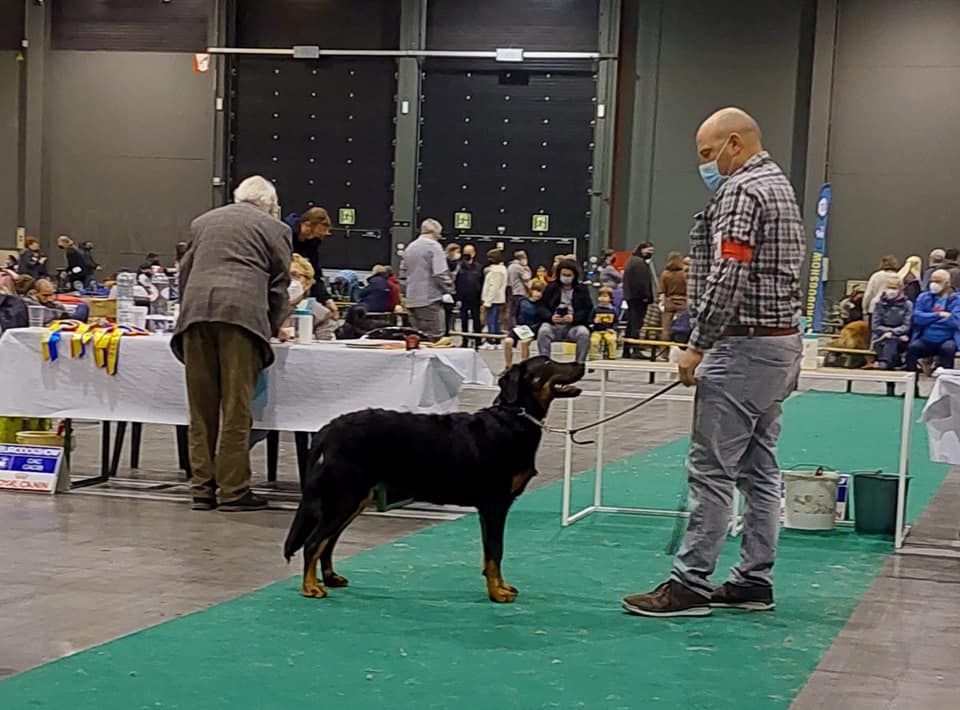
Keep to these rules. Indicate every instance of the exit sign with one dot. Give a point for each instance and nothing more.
(462, 220)
(347, 216)
(541, 223)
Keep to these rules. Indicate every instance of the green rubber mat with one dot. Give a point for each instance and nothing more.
(415, 631)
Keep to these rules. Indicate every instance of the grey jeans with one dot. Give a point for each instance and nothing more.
(430, 320)
(550, 333)
(741, 385)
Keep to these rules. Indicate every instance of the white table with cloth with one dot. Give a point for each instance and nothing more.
(306, 387)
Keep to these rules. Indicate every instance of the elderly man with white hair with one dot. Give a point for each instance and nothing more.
(425, 280)
(233, 296)
(936, 324)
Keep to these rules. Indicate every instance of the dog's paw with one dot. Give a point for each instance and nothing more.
(335, 580)
(502, 595)
(509, 587)
(313, 591)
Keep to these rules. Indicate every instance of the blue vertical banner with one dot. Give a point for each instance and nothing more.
(815, 290)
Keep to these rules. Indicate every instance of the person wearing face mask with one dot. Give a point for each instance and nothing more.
(890, 325)
(302, 278)
(469, 289)
(744, 352)
(639, 291)
(454, 257)
(518, 285)
(936, 324)
(565, 311)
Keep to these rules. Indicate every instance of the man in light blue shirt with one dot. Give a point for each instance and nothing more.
(425, 280)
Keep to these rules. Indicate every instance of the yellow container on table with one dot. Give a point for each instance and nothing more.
(39, 438)
(103, 308)
(11, 426)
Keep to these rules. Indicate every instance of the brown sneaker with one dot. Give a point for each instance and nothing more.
(669, 599)
(733, 596)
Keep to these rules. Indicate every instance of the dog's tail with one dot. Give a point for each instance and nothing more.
(304, 523)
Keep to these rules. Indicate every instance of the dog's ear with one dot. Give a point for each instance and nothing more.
(510, 384)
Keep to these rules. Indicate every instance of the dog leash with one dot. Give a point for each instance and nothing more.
(572, 433)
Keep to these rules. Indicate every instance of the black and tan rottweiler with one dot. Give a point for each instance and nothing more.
(482, 460)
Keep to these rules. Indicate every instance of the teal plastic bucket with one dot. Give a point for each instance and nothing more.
(875, 502)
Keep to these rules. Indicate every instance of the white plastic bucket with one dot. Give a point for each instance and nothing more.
(811, 499)
(811, 346)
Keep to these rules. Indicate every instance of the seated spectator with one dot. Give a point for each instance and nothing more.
(44, 294)
(11, 262)
(394, 283)
(528, 314)
(355, 324)
(936, 323)
(375, 296)
(603, 325)
(851, 308)
(301, 281)
(565, 310)
(890, 325)
(13, 311)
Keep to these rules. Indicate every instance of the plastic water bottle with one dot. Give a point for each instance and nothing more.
(125, 283)
(161, 282)
(158, 306)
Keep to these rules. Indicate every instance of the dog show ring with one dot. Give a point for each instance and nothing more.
(605, 367)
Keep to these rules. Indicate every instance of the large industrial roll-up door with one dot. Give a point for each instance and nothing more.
(518, 146)
(504, 142)
(321, 129)
(503, 145)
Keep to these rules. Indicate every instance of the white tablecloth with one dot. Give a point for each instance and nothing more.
(942, 417)
(307, 386)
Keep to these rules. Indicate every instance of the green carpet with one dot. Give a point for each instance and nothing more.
(415, 629)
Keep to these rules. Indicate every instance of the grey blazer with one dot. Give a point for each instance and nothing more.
(236, 271)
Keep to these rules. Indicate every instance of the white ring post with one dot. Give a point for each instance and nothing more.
(598, 471)
(567, 467)
(908, 398)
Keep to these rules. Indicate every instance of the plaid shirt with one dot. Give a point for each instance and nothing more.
(746, 251)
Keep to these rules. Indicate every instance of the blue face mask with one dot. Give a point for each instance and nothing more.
(710, 172)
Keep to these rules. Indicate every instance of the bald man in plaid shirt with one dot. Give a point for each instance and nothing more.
(747, 248)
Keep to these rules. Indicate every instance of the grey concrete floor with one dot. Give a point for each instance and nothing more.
(83, 568)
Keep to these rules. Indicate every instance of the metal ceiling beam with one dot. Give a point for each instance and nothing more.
(408, 53)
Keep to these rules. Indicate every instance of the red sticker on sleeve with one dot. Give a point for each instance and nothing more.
(736, 251)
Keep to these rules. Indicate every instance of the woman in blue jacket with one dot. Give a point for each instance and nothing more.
(375, 296)
(936, 324)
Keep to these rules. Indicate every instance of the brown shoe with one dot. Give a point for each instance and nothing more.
(753, 598)
(248, 501)
(669, 599)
